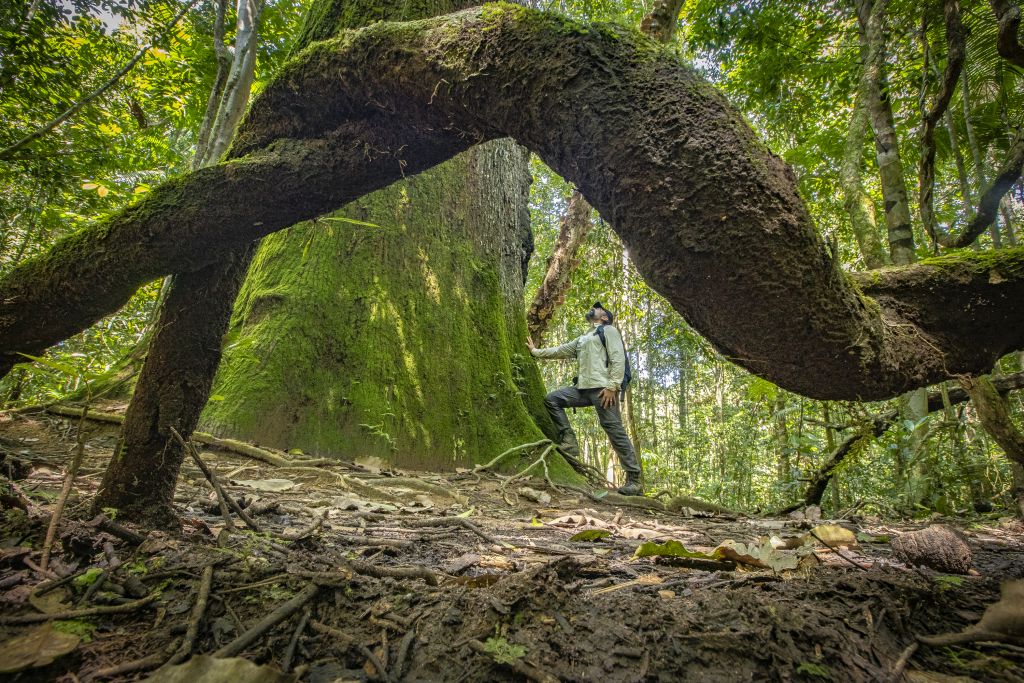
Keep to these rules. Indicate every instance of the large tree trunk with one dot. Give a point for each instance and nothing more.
(671, 166)
(401, 339)
(350, 394)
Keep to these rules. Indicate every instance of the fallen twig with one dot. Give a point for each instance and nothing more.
(317, 524)
(239, 447)
(349, 641)
(289, 654)
(403, 653)
(432, 522)
(198, 610)
(69, 481)
(836, 551)
(901, 663)
(517, 665)
(81, 613)
(268, 622)
(213, 482)
(103, 523)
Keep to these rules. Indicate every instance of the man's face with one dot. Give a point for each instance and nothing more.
(596, 316)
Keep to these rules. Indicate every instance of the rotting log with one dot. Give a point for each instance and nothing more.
(711, 218)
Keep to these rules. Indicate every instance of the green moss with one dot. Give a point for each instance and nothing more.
(404, 341)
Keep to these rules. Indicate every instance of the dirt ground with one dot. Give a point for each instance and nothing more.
(360, 573)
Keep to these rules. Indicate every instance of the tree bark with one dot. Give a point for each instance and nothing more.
(235, 93)
(871, 19)
(1008, 44)
(655, 149)
(562, 263)
(860, 207)
(171, 390)
(660, 24)
(956, 42)
(994, 415)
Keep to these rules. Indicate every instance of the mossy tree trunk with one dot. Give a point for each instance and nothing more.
(401, 339)
(404, 349)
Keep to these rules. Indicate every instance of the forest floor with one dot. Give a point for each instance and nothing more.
(360, 573)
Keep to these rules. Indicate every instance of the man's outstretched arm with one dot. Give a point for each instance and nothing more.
(566, 350)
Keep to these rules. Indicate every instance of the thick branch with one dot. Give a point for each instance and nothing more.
(1008, 18)
(988, 206)
(660, 154)
(995, 416)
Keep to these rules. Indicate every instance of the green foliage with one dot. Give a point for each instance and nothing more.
(504, 652)
(76, 627)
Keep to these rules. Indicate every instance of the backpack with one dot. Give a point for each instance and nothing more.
(627, 376)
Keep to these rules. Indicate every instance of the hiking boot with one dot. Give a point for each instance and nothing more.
(568, 445)
(632, 486)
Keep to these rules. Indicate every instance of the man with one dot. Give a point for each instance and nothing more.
(602, 365)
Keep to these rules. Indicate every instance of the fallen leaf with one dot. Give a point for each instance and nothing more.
(666, 594)
(38, 647)
(216, 670)
(636, 534)
(672, 548)
(267, 484)
(757, 555)
(832, 535)
(372, 463)
(591, 535)
(49, 603)
(536, 496)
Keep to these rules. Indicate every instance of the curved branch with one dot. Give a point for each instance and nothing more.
(956, 42)
(988, 205)
(1008, 18)
(711, 218)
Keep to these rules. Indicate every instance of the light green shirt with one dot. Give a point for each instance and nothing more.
(589, 352)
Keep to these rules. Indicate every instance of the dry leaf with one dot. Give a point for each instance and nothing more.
(38, 647)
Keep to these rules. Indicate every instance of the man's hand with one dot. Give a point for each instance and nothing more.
(529, 343)
(609, 397)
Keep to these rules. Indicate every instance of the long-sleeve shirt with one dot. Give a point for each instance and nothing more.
(590, 354)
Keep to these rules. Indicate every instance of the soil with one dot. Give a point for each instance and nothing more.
(515, 596)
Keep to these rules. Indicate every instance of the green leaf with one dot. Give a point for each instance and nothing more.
(353, 221)
(591, 535)
(53, 365)
(503, 651)
(758, 555)
(672, 548)
(88, 578)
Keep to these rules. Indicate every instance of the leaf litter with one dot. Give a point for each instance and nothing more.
(360, 574)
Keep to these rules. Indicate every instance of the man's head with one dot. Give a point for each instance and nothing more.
(598, 315)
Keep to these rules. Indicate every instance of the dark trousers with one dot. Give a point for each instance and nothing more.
(610, 418)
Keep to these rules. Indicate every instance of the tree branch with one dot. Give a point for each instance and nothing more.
(1008, 18)
(956, 50)
(655, 149)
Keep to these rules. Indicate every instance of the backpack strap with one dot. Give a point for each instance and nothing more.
(599, 331)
